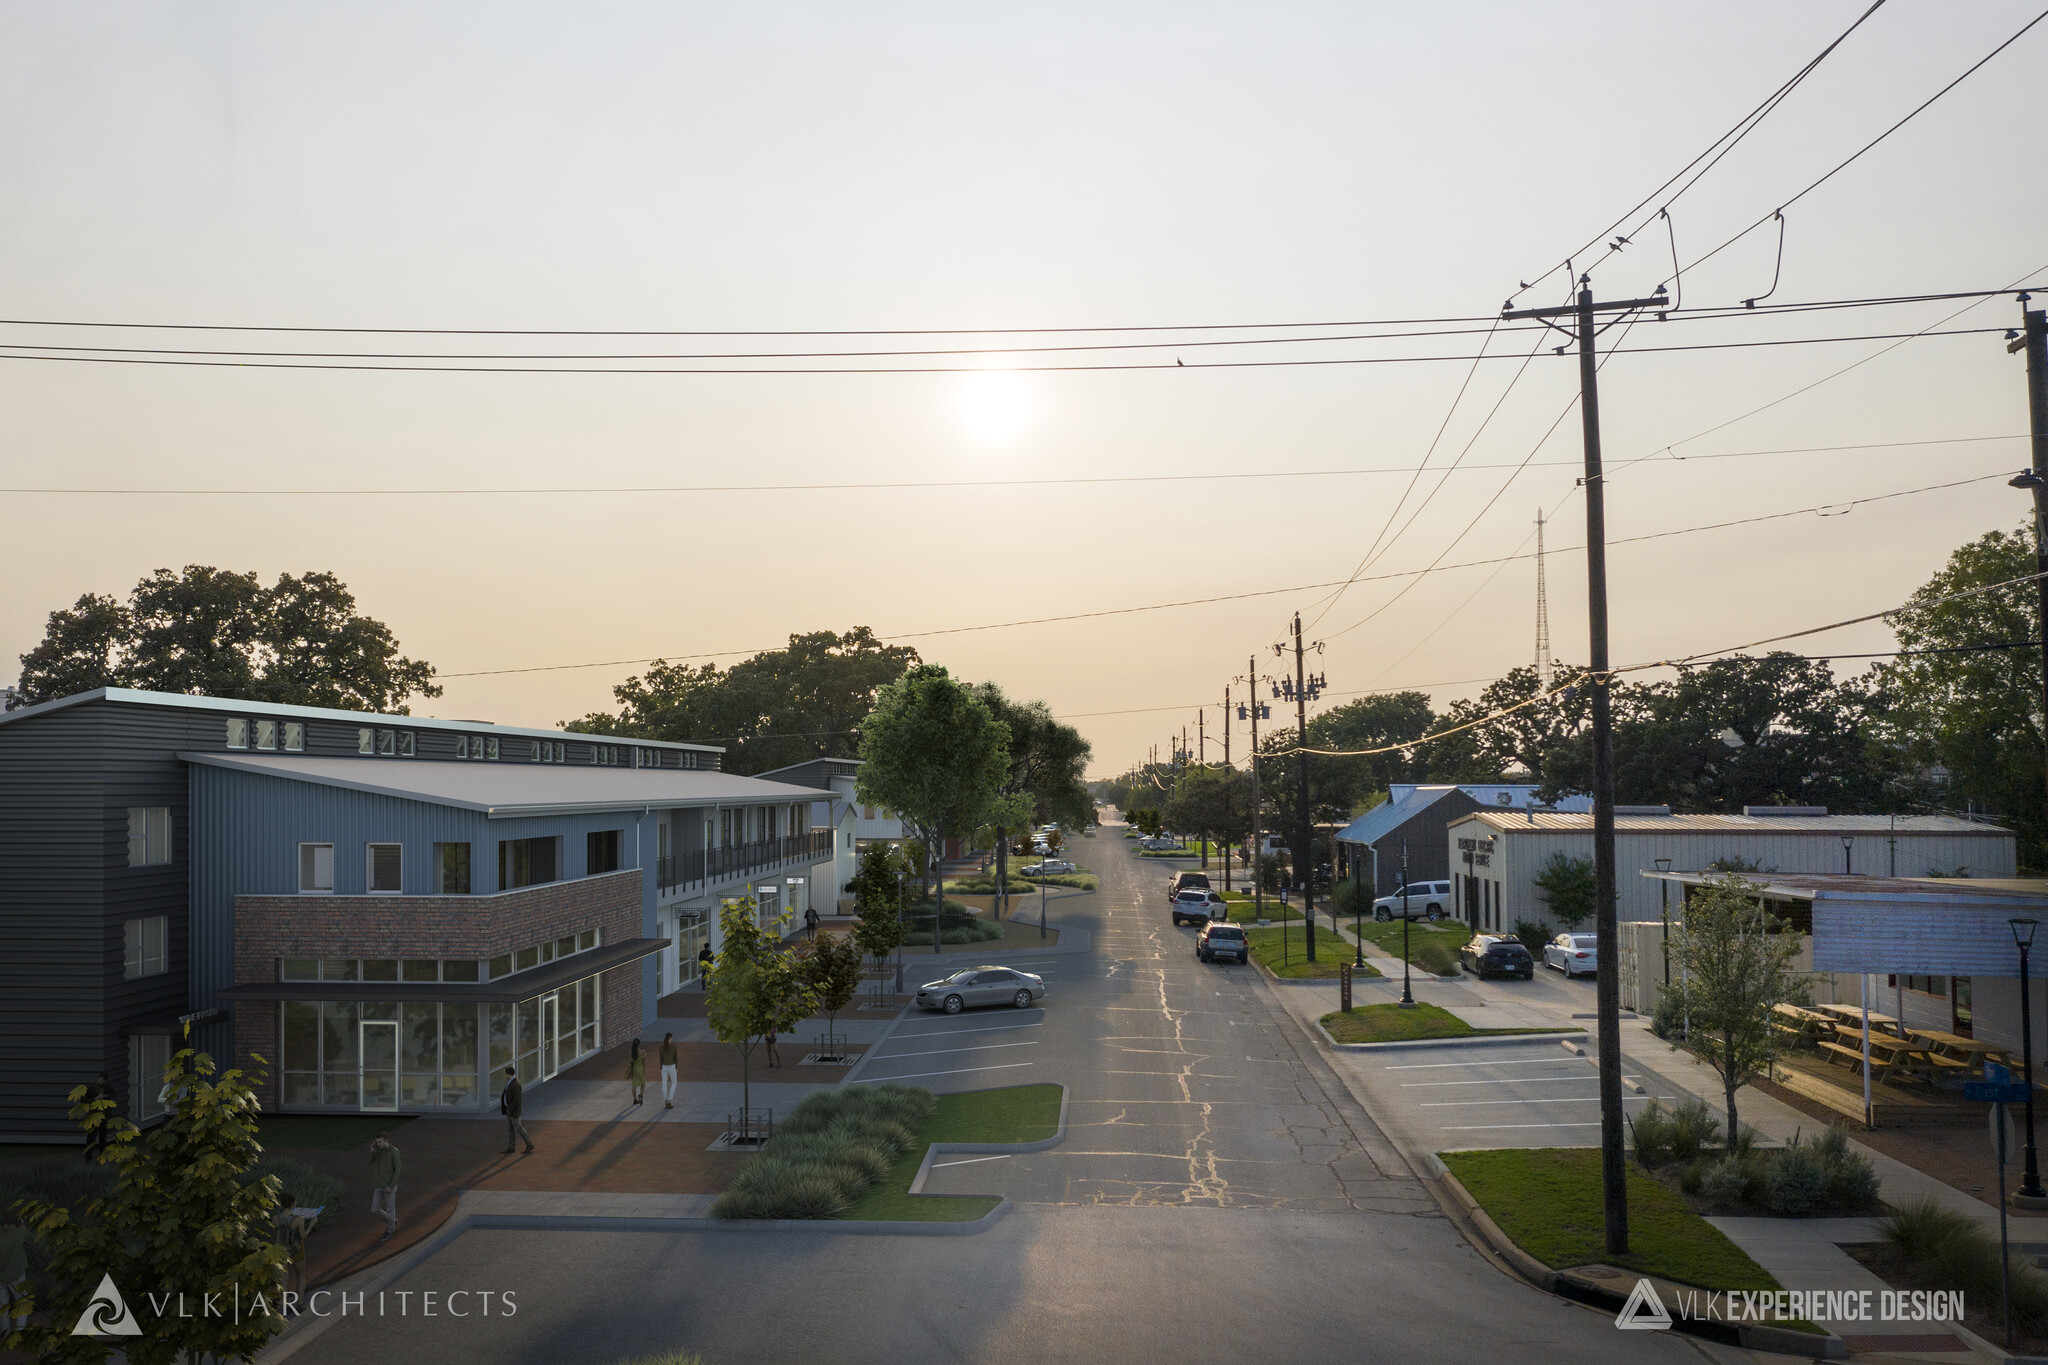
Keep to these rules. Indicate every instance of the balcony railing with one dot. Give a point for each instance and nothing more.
(740, 860)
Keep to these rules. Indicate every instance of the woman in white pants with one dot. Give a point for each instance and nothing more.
(668, 1071)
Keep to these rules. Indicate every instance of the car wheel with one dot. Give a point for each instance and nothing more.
(1383, 915)
(1434, 915)
(954, 1004)
(1023, 1000)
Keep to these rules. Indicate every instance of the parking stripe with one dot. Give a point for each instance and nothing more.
(1494, 1127)
(915, 1075)
(985, 1028)
(1474, 1104)
(938, 1051)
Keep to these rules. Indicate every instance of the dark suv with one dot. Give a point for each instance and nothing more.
(1497, 955)
(1219, 940)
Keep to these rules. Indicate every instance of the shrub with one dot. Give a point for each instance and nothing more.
(1667, 1016)
(310, 1189)
(826, 1154)
(1693, 1129)
(1797, 1182)
(1852, 1179)
(1651, 1127)
(1733, 1180)
(1533, 936)
(1693, 1177)
(1922, 1229)
(60, 1180)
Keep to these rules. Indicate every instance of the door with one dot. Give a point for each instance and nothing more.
(550, 1046)
(379, 1040)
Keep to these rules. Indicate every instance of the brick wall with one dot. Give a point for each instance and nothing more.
(269, 928)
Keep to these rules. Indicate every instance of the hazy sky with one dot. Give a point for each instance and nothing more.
(782, 166)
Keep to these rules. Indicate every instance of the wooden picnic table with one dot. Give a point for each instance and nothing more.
(1800, 1026)
(1855, 1014)
(1970, 1052)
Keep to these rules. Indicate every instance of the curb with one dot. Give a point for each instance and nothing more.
(1754, 1338)
(995, 1148)
(1464, 1040)
(908, 1228)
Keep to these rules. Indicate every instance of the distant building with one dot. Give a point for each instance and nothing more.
(1415, 816)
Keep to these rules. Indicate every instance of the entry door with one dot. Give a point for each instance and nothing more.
(550, 1057)
(379, 1040)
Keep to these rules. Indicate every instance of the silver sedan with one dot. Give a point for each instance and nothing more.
(981, 986)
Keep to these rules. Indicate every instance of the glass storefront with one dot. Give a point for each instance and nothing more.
(429, 1055)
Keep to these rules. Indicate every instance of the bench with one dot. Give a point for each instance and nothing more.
(1878, 1065)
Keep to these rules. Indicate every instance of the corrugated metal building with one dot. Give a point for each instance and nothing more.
(1495, 856)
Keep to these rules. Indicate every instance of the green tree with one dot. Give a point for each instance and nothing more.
(1378, 722)
(1213, 802)
(216, 633)
(1566, 886)
(933, 752)
(1974, 711)
(878, 901)
(832, 971)
(1146, 820)
(783, 706)
(1047, 760)
(1737, 963)
(756, 987)
(180, 1221)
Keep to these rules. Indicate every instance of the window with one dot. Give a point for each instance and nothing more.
(550, 751)
(387, 743)
(413, 969)
(454, 861)
(408, 743)
(143, 946)
(383, 867)
(379, 969)
(491, 748)
(459, 969)
(526, 862)
(149, 835)
(294, 737)
(1930, 985)
(601, 852)
(299, 969)
(462, 746)
(238, 733)
(366, 741)
(316, 869)
(148, 1058)
(266, 734)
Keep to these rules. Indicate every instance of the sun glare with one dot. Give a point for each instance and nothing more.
(995, 406)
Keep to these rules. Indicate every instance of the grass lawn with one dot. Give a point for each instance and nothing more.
(1393, 1024)
(325, 1132)
(1331, 952)
(1018, 1113)
(1547, 1200)
(1420, 934)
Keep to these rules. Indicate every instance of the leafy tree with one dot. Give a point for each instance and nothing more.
(779, 707)
(756, 987)
(216, 633)
(1047, 760)
(179, 1220)
(1975, 711)
(1736, 965)
(1392, 718)
(932, 751)
(1146, 820)
(1213, 802)
(878, 900)
(1567, 888)
(832, 970)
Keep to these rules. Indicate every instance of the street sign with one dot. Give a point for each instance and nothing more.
(1997, 1087)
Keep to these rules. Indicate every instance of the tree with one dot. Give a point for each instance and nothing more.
(1214, 802)
(179, 1221)
(1047, 761)
(832, 970)
(216, 633)
(878, 900)
(1392, 718)
(932, 751)
(1737, 960)
(1974, 710)
(1146, 820)
(783, 706)
(1566, 886)
(756, 988)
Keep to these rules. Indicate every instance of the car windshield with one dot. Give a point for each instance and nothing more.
(961, 976)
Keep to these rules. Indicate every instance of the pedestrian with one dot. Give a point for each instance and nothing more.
(384, 1183)
(704, 966)
(13, 1269)
(811, 923)
(96, 1132)
(290, 1228)
(774, 1057)
(512, 1104)
(669, 1059)
(636, 1072)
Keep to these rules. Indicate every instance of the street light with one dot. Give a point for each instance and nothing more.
(1664, 904)
(1848, 843)
(2030, 1181)
(1407, 992)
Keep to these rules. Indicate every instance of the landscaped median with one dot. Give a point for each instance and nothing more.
(1394, 1023)
(1282, 950)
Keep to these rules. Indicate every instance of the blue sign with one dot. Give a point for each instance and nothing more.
(1997, 1087)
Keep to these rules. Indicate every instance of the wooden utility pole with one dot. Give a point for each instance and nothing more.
(1308, 826)
(1613, 1156)
(2034, 341)
(1258, 833)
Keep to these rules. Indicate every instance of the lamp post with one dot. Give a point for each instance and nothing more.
(2030, 1178)
(1892, 847)
(1664, 905)
(1848, 843)
(1407, 992)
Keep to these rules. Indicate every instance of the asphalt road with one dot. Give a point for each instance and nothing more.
(1220, 1196)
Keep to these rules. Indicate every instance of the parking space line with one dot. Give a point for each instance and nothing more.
(979, 1047)
(985, 1028)
(915, 1075)
(1474, 1104)
(1508, 1080)
(1511, 1061)
(1494, 1127)
(969, 1161)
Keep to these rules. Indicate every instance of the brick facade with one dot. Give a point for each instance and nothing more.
(271, 928)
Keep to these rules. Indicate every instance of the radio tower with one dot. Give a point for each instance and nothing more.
(1542, 614)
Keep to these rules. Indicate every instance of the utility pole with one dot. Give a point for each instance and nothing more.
(1226, 768)
(1308, 827)
(1202, 737)
(1613, 1159)
(1258, 834)
(2034, 341)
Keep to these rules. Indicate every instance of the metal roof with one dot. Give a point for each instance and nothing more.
(237, 706)
(503, 790)
(1391, 814)
(1808, 886)
(1509, 821)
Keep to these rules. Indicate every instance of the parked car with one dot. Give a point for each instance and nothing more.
(1198, 906)
(981, 986)
(1220, 940)
(1158, 845)
(1425, 900)
(1497, 955)
(1185, 881)
(1051, 867)
(1573, 954)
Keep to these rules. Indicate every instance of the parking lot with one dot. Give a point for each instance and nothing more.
(971, 1050)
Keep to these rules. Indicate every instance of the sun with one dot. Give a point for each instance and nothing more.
(995, 406)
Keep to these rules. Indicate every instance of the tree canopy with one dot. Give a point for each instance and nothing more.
(783, 706)
(217, 633)
(933, 752)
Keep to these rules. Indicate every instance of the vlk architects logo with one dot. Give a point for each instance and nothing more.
(1645, 1310)
(107, 1313)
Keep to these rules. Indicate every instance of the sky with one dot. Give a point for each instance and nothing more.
(818, 167)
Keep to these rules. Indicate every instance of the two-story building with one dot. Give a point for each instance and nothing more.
(389, 910)
(857, 825)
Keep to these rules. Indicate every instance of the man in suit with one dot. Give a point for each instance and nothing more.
(512, 1104)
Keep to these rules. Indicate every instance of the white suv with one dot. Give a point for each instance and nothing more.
(1425, 900)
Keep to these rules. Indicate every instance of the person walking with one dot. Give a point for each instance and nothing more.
(704, 966)
(636, 1072)
(669, 1060)
(774, 1057)
(96, 1136)
(384, 1164)
(811, 923)
(13, 1269)
(512, 1104)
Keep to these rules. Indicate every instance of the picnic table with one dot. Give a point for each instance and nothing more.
(1800, 1026)
(1887, 1052)
(1855, 1015)
(1951, 1051)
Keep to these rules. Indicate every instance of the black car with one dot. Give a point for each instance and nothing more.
(1497, 955)
(1220, 940)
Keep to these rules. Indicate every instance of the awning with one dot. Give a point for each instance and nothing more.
(524, 986)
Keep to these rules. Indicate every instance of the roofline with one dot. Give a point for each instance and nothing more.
(136, 697)
(236, 763)
(1938, 895)
(1517, 819)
